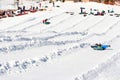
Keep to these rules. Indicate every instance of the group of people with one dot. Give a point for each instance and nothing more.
(6, 13)
(19, 11)
(95, 12)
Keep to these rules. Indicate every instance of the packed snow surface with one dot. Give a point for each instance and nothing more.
(31, 50)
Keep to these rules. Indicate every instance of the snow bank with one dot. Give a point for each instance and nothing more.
(105, 71)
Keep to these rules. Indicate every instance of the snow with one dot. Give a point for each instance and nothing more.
(31, 50)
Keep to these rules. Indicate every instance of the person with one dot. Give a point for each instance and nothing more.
(102, 13)
(36, 8)
(105, 46)
(40, 5)
(100, 46)
(91, 11)
(45, 20)
(17, 2)
(3, 14)
(53, 4)
(81, 9)
(10, 13)
(23, 8)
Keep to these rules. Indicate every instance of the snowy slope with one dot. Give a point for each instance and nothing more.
(31, 50)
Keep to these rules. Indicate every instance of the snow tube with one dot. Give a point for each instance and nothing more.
(111, 14)
(67, 12)
(85, 15)
(71, 13)
(81, 13)
(92, 13)
(25, 13)
(117, 16)
(46, 6)
(40, 9)
(19, 15)
(44, 9)
(33, 11)
(47, 22)
(57, 6)
(112, 11)
(97, 47)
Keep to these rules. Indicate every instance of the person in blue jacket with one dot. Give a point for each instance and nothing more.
(105, 46)
(100, 46)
